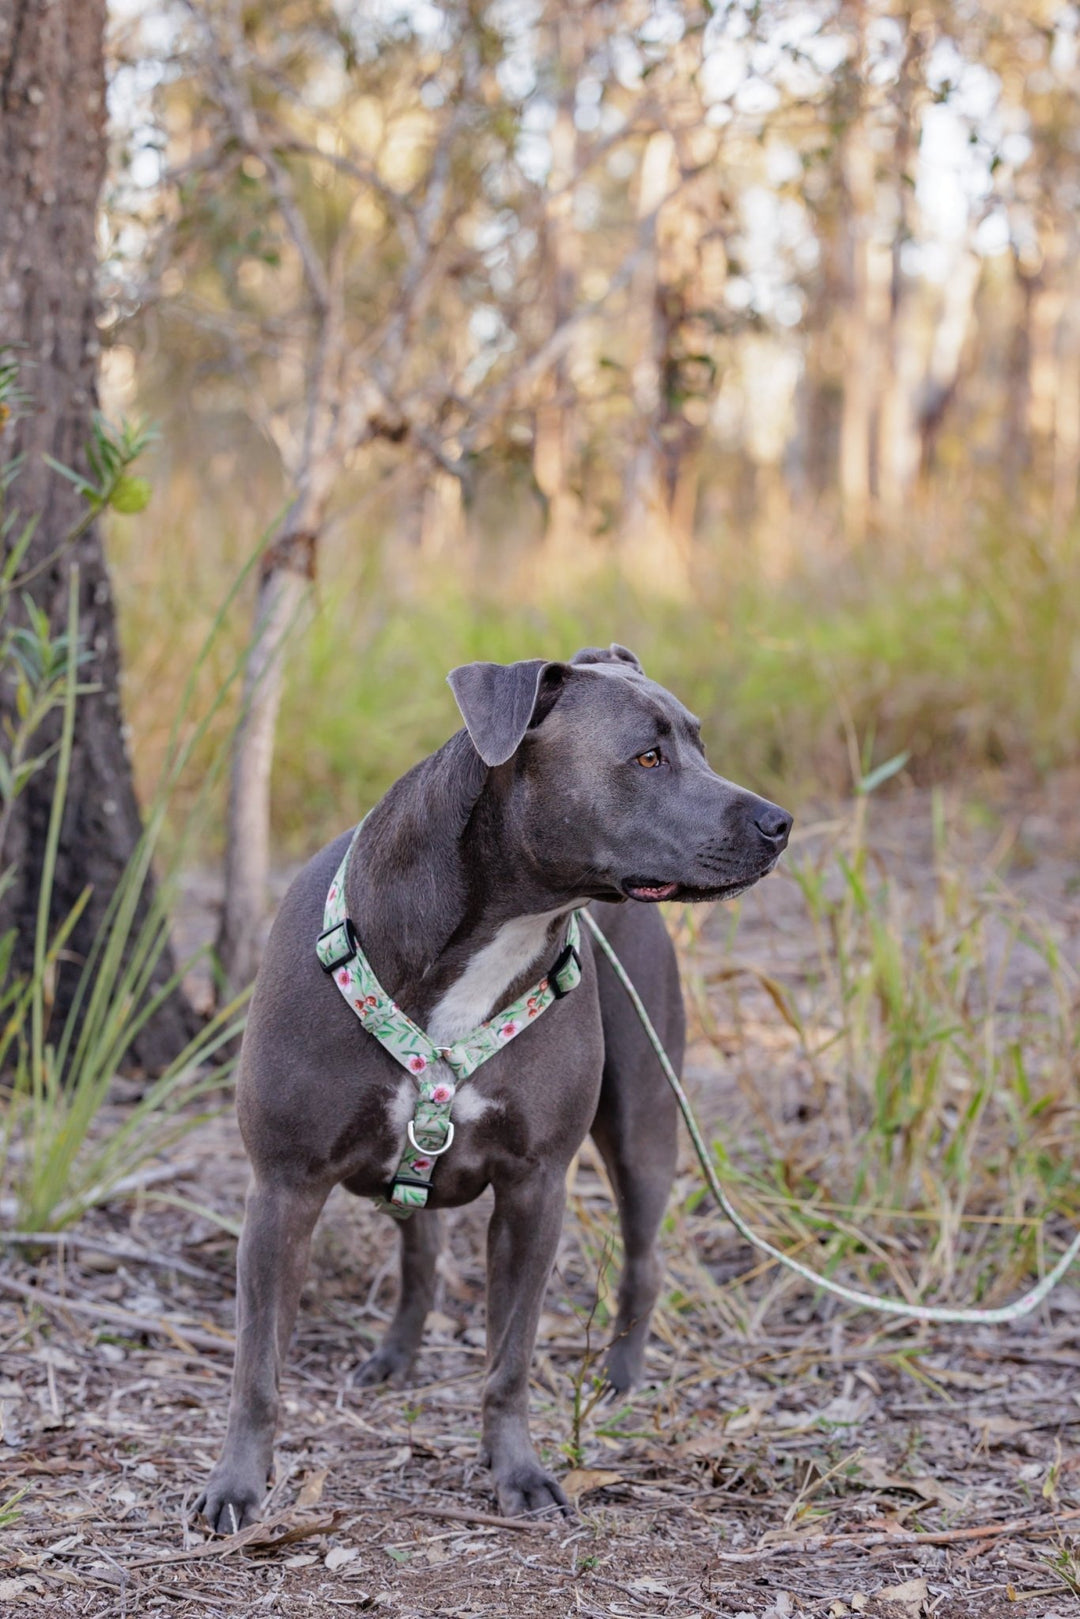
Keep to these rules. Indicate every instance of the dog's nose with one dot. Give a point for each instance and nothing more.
(774, 824)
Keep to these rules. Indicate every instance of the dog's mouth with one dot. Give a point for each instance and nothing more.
(649, 891)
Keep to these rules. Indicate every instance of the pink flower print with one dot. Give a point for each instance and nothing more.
(542, 985)
(417, 1064)
(332, 896)
(421, 1163)
(343, 978)
(372, 1000)
(442, 1093)
(508, 1030)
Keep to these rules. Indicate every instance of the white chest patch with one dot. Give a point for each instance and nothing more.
(518, 945)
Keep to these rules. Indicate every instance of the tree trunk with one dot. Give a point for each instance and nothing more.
(650, 545)
(52, 162)
(1067, 417)
(556, 445)
(283, 586)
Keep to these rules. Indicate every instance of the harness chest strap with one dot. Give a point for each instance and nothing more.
(438, 1070)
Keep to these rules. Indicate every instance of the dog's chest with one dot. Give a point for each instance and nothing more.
(519, 945)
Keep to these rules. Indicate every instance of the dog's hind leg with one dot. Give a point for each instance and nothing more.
(270, 1264)
(641, 1163)
(393, 1359)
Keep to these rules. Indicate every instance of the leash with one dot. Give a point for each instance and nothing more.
(867, 1301)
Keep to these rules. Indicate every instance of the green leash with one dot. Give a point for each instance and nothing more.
(867, 1301)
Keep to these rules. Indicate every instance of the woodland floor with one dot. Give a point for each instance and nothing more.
(788, 1458)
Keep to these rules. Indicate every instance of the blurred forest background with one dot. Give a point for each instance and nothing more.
(748, 334)
(745, 334)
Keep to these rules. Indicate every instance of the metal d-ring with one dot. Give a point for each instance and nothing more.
(430, 1152)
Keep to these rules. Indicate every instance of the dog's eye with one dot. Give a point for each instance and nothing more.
(649, 760)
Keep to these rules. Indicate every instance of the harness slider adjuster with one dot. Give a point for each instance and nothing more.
(568, 960)
(343, 952)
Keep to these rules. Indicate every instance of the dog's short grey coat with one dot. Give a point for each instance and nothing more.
(572, 783)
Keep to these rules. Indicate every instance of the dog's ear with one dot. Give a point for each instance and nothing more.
(499, 702)
(614, 654)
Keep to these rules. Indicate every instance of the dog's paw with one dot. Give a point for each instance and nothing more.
(227, 1504)
(391, 1363)
(623, 1369)
(529, 1489)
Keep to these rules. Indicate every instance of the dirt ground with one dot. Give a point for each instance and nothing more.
(787, 1458)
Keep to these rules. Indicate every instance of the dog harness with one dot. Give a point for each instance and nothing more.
(438, 1070)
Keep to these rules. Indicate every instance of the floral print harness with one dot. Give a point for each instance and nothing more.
(438, 1070)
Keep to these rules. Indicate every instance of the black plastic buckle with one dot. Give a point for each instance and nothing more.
(350, 940)
(406, 1180)
(569, 955)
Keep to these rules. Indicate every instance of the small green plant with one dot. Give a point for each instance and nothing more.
(9, 1509)
(587, 1382)
(54, 1163)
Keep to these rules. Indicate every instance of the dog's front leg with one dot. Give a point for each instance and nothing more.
(522, 1238)
(270, 1265)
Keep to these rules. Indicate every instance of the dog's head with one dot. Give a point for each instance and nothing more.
(605, 776)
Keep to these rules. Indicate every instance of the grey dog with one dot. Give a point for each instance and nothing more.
(572, 783)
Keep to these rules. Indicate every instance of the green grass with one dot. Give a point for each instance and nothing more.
(966, 662)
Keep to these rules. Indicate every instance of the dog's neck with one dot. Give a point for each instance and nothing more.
(449, 922)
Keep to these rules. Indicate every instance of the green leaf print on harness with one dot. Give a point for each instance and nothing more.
(438, 1070)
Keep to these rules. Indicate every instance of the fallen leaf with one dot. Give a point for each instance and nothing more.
(837, 1609)
(859, 1602)
(338, 1556)
(311, 1490)
(873, 1471)
(912, 1594)
(51, 1355)
(710, 1442)
(301, 1560)
(264, 1535)
(20, 1587)
(997, 1430)
(580, 1480)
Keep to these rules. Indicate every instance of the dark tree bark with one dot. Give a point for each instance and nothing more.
(52, 162)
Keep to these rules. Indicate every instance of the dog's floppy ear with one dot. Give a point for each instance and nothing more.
(499, 701)
(614, 654)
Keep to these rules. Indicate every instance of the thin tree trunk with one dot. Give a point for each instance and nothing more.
(898, 434)
(947, 352)
(864, 329)
(1016, 430)
(283, 587)
(52, 162)
(1067, 417)
(554, 446)
(650, 545)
